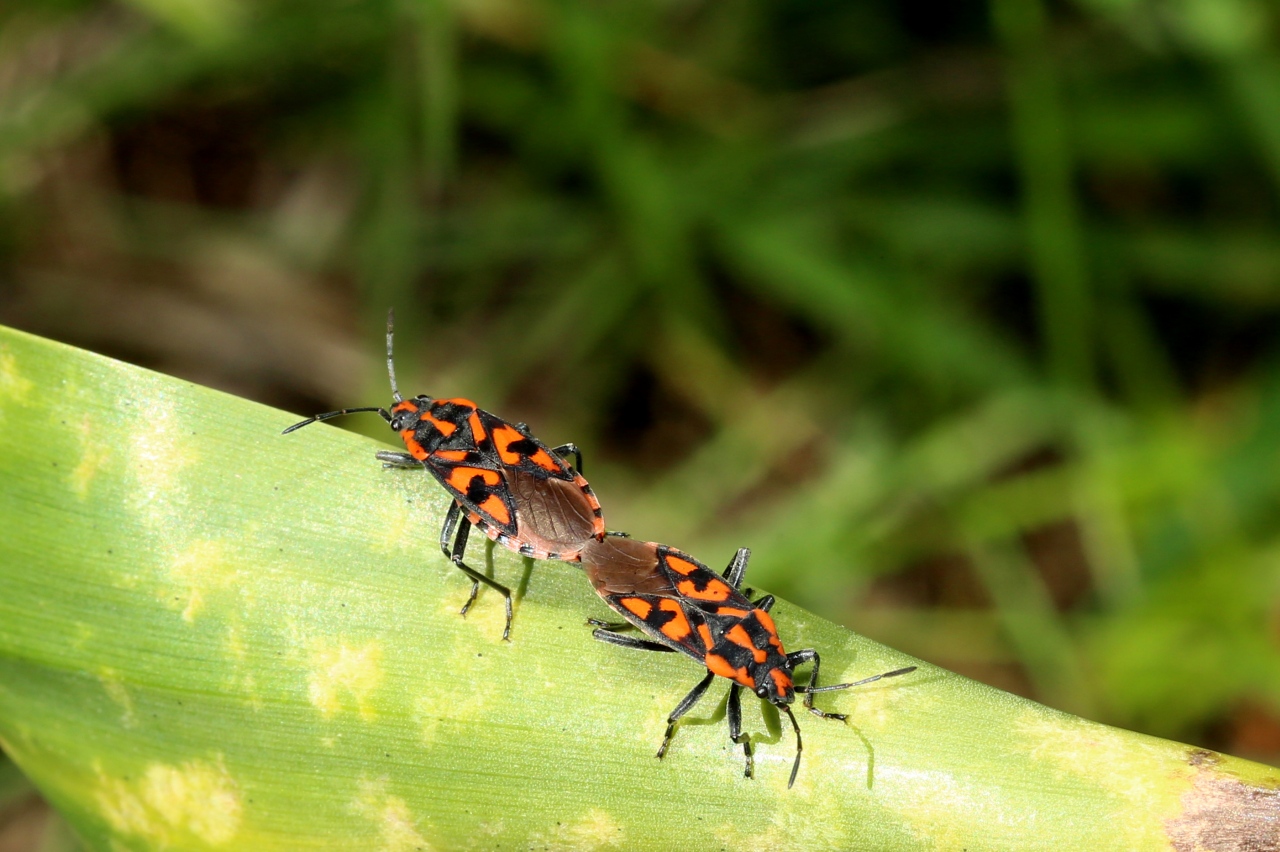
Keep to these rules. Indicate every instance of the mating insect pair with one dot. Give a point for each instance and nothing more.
(522, 494)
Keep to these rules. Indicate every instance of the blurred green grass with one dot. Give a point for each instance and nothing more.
(963, 318)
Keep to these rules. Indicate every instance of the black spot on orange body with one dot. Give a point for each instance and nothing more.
(515, 449)
(637, 606)
(495, 508)
(445, 427)
(677, 626)
(478, 433)
(474, 483)
(709, 589)
(464, 456)
(781, 680)
(739, 636)
(721, 666)
(682, 566)
(416, 449)
(766, 621)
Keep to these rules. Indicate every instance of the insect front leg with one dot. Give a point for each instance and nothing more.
(683, 707)
(799, 658)
(396, 461)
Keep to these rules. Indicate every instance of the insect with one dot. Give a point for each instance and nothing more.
(682, 605)
(504, 481)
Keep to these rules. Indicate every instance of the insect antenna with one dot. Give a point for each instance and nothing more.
(329, 415)
(391, 366)
(795, 767)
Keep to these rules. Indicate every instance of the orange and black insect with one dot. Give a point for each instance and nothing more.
(682, 605)
(504, 481)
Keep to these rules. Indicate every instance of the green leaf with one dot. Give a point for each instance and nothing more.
(215, 636)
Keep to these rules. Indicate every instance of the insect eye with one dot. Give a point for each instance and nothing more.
(762, 692)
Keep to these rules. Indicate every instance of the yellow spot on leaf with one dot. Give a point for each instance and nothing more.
(199, 571)
(235, 644)
(1071, 746)
(393, 525)
(114, 687)
(190, 806)
(339, 672)
(596, 829)
(158, 451)
(13, 385)
(462, 705)
(397, 829)
(93, 455)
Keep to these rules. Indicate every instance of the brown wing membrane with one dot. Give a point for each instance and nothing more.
(553, 515)
(623, 566)
(629, 576)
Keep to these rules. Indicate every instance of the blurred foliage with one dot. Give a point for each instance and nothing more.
(962, 317)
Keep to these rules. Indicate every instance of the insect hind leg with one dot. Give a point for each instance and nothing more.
(736, 571)
(570, 449)
(627, 641)
(611, 626)
(453, 519)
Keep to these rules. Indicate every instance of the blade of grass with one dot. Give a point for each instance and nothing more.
(213, 636)
(1044, 163)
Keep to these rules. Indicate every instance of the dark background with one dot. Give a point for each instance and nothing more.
(962, 316)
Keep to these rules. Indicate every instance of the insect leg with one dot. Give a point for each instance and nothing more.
(628, 641)
(611, 626)
(734, 713)
(453, 518)
(684, 707)
(799, 658)
(397, 460)
(570, 449)
(737, 568)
